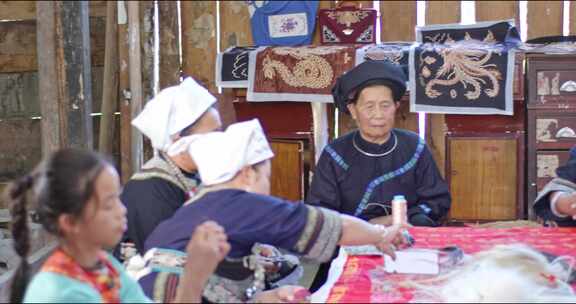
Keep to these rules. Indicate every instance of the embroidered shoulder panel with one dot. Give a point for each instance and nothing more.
(160, 168)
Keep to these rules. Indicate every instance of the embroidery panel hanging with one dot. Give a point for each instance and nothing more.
(232, 67)
(393, 52)
(347, 25)
(285, 23)
(297, 73)
(463, 69)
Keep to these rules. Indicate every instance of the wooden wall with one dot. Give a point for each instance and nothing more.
(20, 143)
(20, 117)
(199, 30)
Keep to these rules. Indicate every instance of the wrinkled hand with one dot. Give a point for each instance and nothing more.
(284, 294)
(207, 247)
(392, 240)
(266, 253)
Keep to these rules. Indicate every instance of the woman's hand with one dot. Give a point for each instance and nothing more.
(392, 239)
(284, 294)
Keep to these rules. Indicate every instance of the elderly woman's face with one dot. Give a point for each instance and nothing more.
(374, 113)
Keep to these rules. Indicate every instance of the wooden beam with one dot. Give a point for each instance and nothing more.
(199, 41)
(235, 27)
(169, 46)
(123, 91)
(439, 12)
(135, 72)
(544, 18)
(110, 86)
(26, 10)
(64, 75)
(398, 20)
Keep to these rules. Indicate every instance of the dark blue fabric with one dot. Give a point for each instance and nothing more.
(247, 217)
(259, 22)
(568, 170)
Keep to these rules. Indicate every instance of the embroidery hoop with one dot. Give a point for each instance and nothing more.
(373, 154)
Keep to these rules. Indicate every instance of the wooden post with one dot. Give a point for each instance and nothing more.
(147, 70)
(169, 47)
(199, 41)
(235, 27)
(398, 20)
(110, 86)
(146, 9)
(438, 12)
(400, 29)
(123, 90)
(65, 88)
(135, 71)
(545, 18)
(572, 18)
(498, 10)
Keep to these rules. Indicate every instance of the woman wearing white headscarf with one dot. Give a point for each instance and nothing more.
(235, 169)
(165, 182)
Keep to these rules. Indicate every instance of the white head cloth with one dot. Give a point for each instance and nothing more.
(220, 155)
(172, 110)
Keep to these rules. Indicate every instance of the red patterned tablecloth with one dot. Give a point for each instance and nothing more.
(362, 280)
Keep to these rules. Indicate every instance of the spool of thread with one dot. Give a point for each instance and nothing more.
(399, 210)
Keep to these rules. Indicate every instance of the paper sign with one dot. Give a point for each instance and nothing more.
(413, 261)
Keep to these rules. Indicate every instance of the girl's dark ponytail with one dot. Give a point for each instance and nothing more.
(18, 194)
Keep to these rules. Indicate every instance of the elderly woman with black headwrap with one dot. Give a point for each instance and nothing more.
(361, 172)
(556, 203)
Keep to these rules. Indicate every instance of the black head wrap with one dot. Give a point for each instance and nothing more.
(368, 73)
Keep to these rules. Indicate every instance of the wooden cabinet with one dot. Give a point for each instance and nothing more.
(551, 108)
(485, 176)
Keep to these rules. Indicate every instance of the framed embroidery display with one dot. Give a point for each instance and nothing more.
(463, 69)
(347, 25)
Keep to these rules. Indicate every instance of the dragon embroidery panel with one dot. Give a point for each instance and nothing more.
(298, 73)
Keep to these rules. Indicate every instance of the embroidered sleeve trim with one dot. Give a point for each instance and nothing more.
(336, 157)
(321, 235)
(388, 176)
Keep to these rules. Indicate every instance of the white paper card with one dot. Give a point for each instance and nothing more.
(413, 261)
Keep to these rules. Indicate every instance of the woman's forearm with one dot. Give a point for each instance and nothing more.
(358, 232)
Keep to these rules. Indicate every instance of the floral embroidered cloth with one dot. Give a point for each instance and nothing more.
(363, 279)
(463, 69)
(297, 73)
